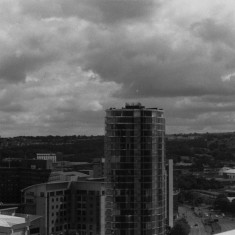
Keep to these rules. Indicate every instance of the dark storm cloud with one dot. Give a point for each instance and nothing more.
(15, 68)
(98, 11)
(198, 107)
(151, 67)
(215, 32)
(116, 11)
(140, 55)
(12, 108)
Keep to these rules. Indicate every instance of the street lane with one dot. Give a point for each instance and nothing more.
(193, 220)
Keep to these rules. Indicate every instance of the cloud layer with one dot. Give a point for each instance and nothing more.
(63, 62)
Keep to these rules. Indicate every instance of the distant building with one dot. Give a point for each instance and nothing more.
(14, 179)
(37, 164)
(224, 169)
(47, 156)
(67, 206)
(36, 171)
(229, 174)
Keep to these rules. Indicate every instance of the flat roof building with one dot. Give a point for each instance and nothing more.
(13, 225)
(67, 206)
(47, 156)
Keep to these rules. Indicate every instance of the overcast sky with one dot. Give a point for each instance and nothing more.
(63, 62)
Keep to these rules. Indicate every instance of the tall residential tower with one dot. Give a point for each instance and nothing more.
(135, 171)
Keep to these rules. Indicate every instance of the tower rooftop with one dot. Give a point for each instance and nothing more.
(134, 106)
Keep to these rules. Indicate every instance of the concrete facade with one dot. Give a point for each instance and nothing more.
(67, 206)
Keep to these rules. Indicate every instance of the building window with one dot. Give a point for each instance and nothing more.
(30, 201)
(59, 193)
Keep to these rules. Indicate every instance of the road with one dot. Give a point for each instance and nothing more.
(193, 220)
(227, 224)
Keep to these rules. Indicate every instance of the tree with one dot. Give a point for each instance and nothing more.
(232, 206)
(222, 203)
(198, 201)
(181, 227)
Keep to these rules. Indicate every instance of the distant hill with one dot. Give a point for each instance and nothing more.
(212, 148)
(75, 148)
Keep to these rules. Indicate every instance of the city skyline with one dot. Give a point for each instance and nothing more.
(63, 63)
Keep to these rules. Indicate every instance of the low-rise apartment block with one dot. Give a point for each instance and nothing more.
(67, 206)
